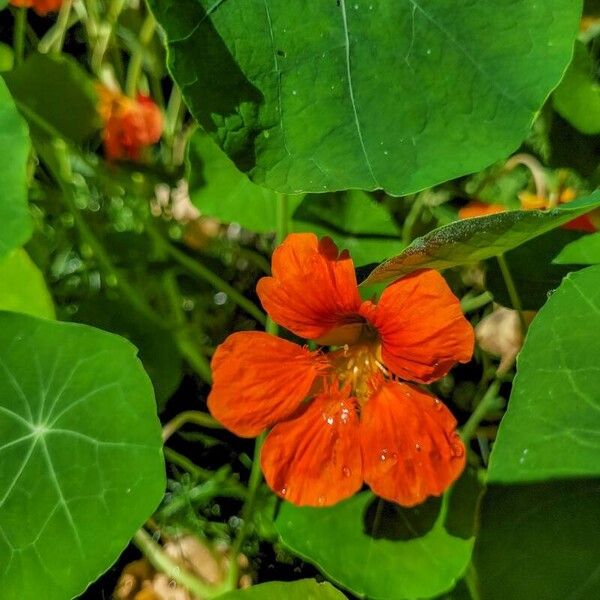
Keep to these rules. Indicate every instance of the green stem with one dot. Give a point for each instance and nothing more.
(512, 291)
(19, 34)
(488, 403)
(247, 513)
(189, 416)
(137, 59)
(105, 32)
(471, 303)
(186, 346)
(54, 38)
(471, 582)
(62, 24)
(185, 463)
(206, 274)
(161, 561)
(411, 219)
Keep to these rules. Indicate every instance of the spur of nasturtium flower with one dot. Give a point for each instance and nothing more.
(353, 411)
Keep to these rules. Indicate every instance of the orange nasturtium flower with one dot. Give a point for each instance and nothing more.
(129, 124)
(348, 415)
(41, 7)
(476, 208)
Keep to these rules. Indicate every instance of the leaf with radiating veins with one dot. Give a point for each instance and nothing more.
(81, 460)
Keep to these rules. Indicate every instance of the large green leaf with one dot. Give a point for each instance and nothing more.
(57, 90)
(15, 223)
(539, 541)
(577, 98)
(552, 425)
(380, 551)
(305, 589)
(80, 454)
(23, 288)
(318, 96)
(583, 251)
(472, 240)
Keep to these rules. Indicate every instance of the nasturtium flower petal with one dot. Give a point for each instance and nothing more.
(422, 328)
(313, 289)
(410, 448)
(258, 380)
(314, 458)
(41, 7)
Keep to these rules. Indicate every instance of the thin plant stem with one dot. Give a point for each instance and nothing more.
(206, 274)
(62, 24)
(185, 463)
(512, 290)
(247, 512)
(137, 59)
(161, 561)
(105, 32)
(189, 416)
(471, 582)
(54, 38)
(488, 403)
(188, 349)
(20, 26)
(471, 303)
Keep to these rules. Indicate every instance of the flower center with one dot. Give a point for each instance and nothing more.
(355, 366)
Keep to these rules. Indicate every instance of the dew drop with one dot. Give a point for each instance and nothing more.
(294, 92)
(321, 500)
(437, 404)
(384, 455)
(283, 491)
(346, 472)
(329, 420)
(418, 447)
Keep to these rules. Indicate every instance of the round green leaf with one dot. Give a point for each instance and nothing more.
(16, 224)
(305, 589)
(386, 554)
(472, 240)
(80, 454)
(552, 425)
(23, 287)
(321, 96)
(539, 541)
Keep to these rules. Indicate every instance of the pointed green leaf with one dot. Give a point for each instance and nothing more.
(16, 224)
(332, 95)
(23, 288)
(381, 553)
(583, 251)
(80, 454)
(305, 589)
(472, 240)
(552, 425)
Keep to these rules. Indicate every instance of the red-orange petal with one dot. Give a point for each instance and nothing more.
(422, 328)
(258, 380)
(313, 288)
(409, 445)
(475, 208)
(314, 459)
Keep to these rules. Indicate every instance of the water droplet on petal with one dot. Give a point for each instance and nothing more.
(457, 446)
(321, 500)
(418, 447)
(283, 491)
(437, 404)
(329, 420)
(346, 472)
